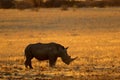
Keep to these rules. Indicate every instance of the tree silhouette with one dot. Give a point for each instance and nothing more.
(6, 3)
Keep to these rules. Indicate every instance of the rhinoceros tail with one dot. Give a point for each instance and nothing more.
(28, 51)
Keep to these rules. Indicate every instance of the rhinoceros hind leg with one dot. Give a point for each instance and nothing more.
(28, 63)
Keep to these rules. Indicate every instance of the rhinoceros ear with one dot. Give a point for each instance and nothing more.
(66, 48)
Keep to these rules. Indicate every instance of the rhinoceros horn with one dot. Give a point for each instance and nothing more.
(68, 60)
(72, 59)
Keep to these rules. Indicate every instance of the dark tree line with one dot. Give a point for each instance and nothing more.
(6, 3)
(56, 3)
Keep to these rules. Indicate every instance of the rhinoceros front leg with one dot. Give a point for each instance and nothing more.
(52, 61)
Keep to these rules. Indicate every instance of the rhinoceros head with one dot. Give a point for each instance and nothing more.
(66, 58)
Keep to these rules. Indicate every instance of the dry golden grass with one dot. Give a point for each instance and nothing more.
(92, 34)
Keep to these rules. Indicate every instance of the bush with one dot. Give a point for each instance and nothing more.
(64, 7)
(6, 4)
(23, 5)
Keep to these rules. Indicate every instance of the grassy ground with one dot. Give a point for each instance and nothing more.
(92, 34)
